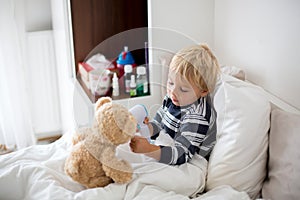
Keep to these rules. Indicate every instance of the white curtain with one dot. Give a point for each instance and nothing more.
(15, 118)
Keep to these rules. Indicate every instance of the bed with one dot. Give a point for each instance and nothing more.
(250, 160)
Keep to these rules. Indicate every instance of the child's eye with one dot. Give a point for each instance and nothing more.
(170, 83)
(184, 90)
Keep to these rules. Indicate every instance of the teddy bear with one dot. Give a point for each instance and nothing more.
(92, 161)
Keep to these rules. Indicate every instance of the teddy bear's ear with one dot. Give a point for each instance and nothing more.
(101, 101)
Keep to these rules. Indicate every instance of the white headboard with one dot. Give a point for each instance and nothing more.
(278, 103)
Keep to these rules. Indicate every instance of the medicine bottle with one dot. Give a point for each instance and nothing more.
(141, 81)
(127, 77)
(115, 85)
(132, 86)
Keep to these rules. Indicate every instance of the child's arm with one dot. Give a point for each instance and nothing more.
(141, 145)
(193, 139)
(156, 124)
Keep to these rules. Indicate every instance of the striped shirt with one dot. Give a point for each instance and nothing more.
(192, 127)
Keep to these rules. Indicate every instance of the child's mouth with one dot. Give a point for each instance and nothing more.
(175, 101)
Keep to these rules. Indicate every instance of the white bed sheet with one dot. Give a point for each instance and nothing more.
(37, 172)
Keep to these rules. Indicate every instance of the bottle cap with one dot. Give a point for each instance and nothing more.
(128, 68)
(115, 78)
(141, 70)
(125, 57)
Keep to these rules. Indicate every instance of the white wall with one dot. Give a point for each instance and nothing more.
(175, 25)
(37, 15)
(192, 20)
(262, 37)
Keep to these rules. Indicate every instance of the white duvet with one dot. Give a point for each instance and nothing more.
(37, 172)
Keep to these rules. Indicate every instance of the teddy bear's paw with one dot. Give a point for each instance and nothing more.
(121, 174)
(98, 182)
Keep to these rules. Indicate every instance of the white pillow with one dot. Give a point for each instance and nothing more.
(284, 157)
(240, 154)
(234, 71)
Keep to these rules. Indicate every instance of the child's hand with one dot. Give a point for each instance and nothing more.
(146, 120)
(139, 144)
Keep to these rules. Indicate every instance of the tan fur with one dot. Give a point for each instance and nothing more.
(92, 161)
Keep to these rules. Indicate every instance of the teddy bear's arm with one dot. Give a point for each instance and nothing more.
(119, 170)
(80, 134)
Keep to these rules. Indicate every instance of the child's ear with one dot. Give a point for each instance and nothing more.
(204, 93)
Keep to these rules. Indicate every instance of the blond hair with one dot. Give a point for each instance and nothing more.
(198, 65)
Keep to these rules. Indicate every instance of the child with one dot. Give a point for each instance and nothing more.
(187, 113)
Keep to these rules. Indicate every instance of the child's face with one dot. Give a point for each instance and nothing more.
(181, 91)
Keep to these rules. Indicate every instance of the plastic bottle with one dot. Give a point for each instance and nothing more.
(115, 85)
(124, 58)
(127, 77)
(132, 86)
(141, 81)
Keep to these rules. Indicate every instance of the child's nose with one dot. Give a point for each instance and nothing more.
(173, 92)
